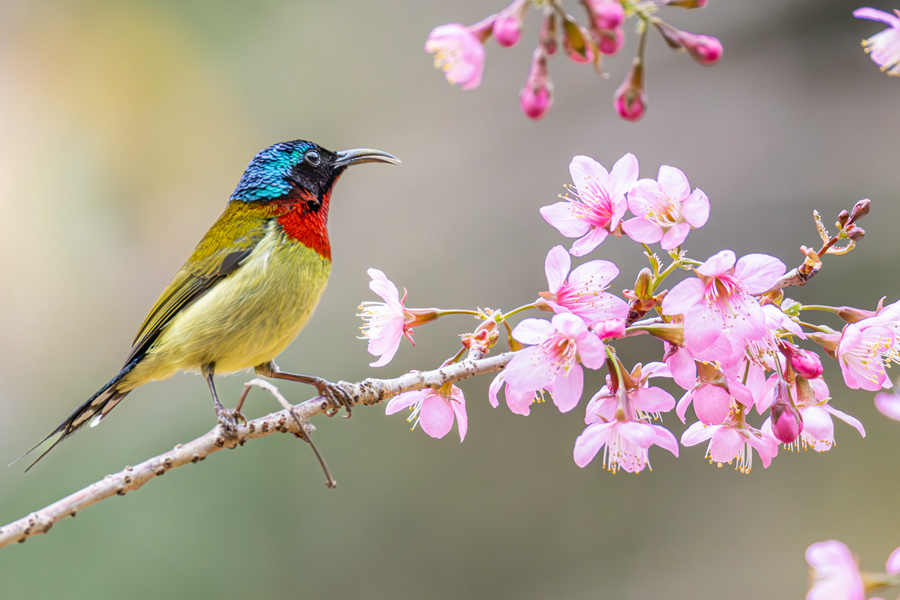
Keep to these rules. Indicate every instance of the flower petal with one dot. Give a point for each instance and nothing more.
(436, 416)
(556, 267)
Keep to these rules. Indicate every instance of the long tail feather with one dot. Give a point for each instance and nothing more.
(93, 411)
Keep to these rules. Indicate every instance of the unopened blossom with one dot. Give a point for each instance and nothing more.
(666, 209)
(888, 404)
(575, 43)
(786, 422)
(835, 574)
(536, 96)
(719, 301)
(884, 47)
(459, 53)
(385, 322)
(861, 354)
(607, 14)
(625, 444)
(610, 41)
(518, 402)
(552, 363)
(732, 440)
(598, 203)
(507, 28)
(705, 49)
(582, 292)
(433, 411)
(630, 99)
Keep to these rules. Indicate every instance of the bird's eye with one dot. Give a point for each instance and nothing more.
(312, 157)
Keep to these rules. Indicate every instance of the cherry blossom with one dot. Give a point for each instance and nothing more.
(860, 353)
(598, 204)
(518, 402)
(835, 572)
(666, 209)
(732, 440)
(884, 47)
(385, 322)
(581, 292)
(433, 411)
(552, 362)
(459, 52)
(719, 300)
(626, 444)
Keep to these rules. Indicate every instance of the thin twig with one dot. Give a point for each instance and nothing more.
(368, 391)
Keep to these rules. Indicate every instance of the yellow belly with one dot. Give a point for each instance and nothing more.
(247, 319)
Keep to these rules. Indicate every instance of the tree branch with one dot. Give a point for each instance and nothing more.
(369, 391)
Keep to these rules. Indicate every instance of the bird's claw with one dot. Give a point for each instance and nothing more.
(336, 395)
(229, 418)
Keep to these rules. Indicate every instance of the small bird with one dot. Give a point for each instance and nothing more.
(249, 287)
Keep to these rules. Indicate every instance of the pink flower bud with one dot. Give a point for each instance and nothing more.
(787, 424)
(705, 49)
(576, 42)
(609, 41)
(807, 364)
(860, 209)
(536, 97)
(630, 99)
(508, 30)
(609, 329)
(548, 33)
(607, 14)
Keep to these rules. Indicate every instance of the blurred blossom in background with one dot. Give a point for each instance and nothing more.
(126, 126)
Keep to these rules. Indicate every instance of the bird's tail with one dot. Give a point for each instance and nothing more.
(93, 411)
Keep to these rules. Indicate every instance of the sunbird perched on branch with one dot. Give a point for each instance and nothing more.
(248, 289)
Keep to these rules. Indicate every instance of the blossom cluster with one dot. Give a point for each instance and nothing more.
(835, 573)
(729, 337)
(459, 50)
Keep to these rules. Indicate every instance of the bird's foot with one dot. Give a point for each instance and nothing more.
(336, 395)
(228, 418)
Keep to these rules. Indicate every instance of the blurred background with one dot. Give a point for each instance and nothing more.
(125, 126)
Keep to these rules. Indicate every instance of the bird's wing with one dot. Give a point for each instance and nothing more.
(218, 255)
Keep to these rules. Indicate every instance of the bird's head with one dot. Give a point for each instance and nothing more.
(299, 168)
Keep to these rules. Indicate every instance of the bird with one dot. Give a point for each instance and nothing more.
(249, 287)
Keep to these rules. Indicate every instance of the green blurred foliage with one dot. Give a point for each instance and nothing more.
(125, 126)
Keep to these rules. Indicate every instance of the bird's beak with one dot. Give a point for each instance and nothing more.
(345, 158)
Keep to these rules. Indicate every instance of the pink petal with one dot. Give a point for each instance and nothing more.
(519, 402)
(695, 209)
(765, 448)
(590, 241)
(740, 392)
(562, 216)
(568, 325)
(596, 272)
(674, 183)
(683, 368)
(584, 169)
(758, 272)
(683, 296)
(591, 351)
(702, 327)
(436, 416)
(458, 404)
(711, 404)
(494, 389)
(888, 404)
(384, 287)
(893, 563)
(852, 421)
(534, 331)
(652, 399)
(877, 15)
(386, 344)
(717, 264)
(404, 400)
(641, 434)
(642, 231)
(643, 197)
(675, 236)
(590, 441)
(726, 445)
(665, 439)
(623, 176)
(698, 432)
(525, 373)
(556, 267)
(751, 322)
(567, 388)
(817, 423)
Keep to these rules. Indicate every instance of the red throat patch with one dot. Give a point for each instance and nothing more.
(306, 226)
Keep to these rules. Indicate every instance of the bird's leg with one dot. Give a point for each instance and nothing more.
(335, 394)
(227, 418)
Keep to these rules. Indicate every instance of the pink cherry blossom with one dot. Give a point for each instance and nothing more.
(666, 209)
(705, 49)
(598, 203)
(459, 52)
(719, 300)
(818, 427)
(433, 411)
(518, 402)
(626, 444)
(835, 573)
(582, 292)
(732, 440)
(552, 362)
(884, 47)
(644, 401)
(888, 404)
(861, 354)
(385, 322)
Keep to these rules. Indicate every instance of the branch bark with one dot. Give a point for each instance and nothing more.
(369, 391)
